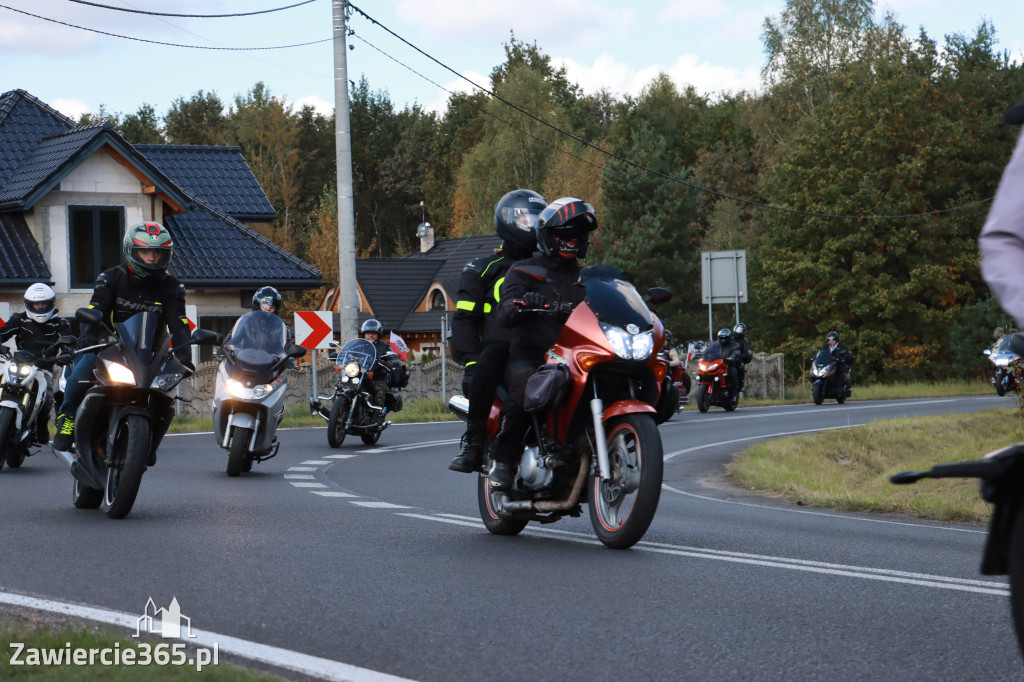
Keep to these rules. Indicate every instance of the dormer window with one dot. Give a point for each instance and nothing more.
(437, 301)
(95, 242)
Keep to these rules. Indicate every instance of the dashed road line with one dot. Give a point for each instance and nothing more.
(300, 484)
(372, 504)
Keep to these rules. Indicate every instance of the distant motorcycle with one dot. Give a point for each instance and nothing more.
(713, 378)
(828, 382)
(1004, 366)
(352, 410)
(124, 416)
(23, 387)
(248, 401)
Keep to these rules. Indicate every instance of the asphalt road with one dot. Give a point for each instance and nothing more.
(376, 557)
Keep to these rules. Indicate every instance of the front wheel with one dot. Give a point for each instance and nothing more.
(371, 437)
(487, 500)
(124, 474)
(239, 453)
(7, 449)
(1000, 386)
(703, 397)
(336, 424)
(622, 508)
(818, 393)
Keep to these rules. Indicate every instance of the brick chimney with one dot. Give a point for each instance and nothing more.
(426, 234)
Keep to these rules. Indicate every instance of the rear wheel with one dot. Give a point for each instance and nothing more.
(239, 453)
(124, 475)
(818, 393)
(622, 508)
(732, 403)
(85, 497)
(703, 397)
(7, 449)
(336, 424)
(488, 501)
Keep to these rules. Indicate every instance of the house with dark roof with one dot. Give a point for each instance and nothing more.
(410, 295)
(67, 193)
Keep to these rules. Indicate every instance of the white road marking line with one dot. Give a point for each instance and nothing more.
(380, 505)
(316, 462)
(332, 493)
(761, 437)
(839, 516)
(864, 573)
(313, 666)
(338, 456)
(301, 468)
(297, 477)
(413, 446)
(307, 485)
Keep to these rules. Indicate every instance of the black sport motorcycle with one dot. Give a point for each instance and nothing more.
(829, 381)
(1002, 484)
(124, 416)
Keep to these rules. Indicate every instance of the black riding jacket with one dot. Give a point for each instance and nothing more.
(119, 294)
(34, 336)
(558, 281)
(743, 350)
(841, 353)
(473, 324)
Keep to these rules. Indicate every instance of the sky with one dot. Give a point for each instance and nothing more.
(714, 45)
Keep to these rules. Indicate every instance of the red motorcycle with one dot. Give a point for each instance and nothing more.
(594, 438)
(713, 378)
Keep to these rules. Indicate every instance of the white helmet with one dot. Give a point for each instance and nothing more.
(39, 302)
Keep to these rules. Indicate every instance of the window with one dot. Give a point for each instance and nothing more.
(95, 243)
(437, 300)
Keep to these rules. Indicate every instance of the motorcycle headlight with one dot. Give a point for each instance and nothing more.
(12, 373)
(118, 373)
(1002, 362)
(352, 369)
(25, 370)
(818, 370)
(257, 392)
(166, 382)
(236, 389)
(628, 346)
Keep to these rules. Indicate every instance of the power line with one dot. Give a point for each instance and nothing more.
(194, 16)
(665, 176)
(158, 42)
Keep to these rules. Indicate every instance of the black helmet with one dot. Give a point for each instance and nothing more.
(724, 336)
(372, 325)
(269, 297)
(141, 240)
(832, 335)
(564, 228)
(515, 216)
(739, 330)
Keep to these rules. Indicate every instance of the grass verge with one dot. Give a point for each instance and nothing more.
(801, 392)
(420, 410)
(849, 469)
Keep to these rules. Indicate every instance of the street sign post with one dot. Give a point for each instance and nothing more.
(314, 329)
(723, 280)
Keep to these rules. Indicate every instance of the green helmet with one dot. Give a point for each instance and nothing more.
(147, 249)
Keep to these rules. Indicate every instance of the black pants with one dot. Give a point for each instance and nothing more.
(507, 446)
(487, 373)
(741, 374)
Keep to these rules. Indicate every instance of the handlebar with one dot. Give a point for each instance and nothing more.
(550, 308)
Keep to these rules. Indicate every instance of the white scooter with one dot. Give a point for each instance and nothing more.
(248, 402)
(23, 387)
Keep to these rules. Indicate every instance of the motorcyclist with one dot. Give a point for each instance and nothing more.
(267, 299)
(739, 337)
(140, 284)
(843, 357)
(546, 282)
(732, 353)
(36, 330)
(372, 330)
(479, 342)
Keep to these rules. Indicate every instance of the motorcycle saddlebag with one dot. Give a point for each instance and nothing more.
(398, 377)
(547, 388)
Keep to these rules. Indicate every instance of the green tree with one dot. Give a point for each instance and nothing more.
(198, 120)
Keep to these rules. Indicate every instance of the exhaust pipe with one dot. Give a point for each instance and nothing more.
(458, 405)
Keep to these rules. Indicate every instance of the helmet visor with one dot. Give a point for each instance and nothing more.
(268, 304)
(523, 218)
(39, 307)
(151, 258)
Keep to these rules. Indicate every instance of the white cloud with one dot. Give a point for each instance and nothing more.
(622, 79)
(708, 78)
(72, 108)
(688, 11)
(440, 104)
(323, 107)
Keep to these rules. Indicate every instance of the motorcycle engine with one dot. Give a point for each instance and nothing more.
(532, 470)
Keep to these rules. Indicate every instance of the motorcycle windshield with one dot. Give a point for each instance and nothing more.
(712, 351)
(258, 339)
(143, 332)
(359, 351)
(824, 357)
(613, 299)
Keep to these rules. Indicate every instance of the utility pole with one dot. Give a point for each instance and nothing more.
(348, 295)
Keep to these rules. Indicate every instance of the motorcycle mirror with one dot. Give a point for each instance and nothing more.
(658, 295)
(295, 351)
(89, 315)
(986, 352)
(206, 337)
(905, 477)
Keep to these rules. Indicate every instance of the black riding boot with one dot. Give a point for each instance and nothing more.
(471, 457)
